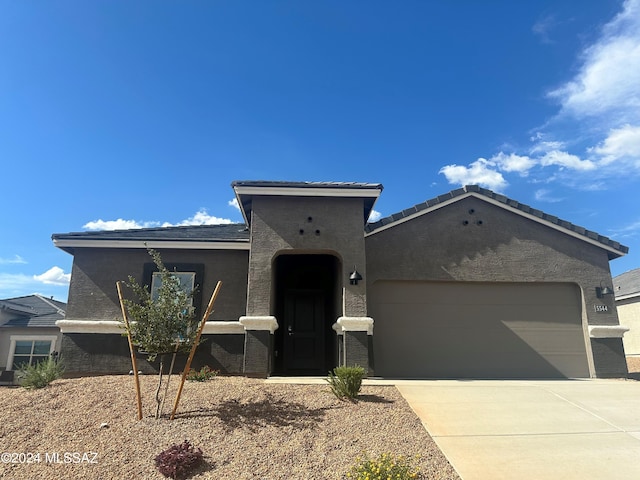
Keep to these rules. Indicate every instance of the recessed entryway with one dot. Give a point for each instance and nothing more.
(306, 307)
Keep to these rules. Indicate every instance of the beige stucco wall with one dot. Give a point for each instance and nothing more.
(629, 315)
(7, 333)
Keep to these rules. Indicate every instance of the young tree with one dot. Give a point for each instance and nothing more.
(161, 322)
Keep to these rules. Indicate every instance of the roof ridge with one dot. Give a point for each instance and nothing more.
(55, 307)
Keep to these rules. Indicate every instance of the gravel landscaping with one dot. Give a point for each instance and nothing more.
(246, 428)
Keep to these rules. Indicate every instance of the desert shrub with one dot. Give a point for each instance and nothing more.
(40, 374)
(178, 461)
(345, 382)
(382, 468)
(202, 375)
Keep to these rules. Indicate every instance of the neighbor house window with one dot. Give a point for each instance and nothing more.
(28, 350)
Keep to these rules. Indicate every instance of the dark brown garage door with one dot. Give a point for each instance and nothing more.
(477, 330)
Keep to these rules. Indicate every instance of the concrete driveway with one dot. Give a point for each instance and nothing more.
(564, 429)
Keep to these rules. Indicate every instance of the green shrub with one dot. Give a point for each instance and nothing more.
(40, 374)
(384, 467)
(202, 375)
(345, 382)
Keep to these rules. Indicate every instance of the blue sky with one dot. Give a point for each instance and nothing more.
(120, 114)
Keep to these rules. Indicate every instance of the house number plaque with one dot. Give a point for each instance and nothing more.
(601, 308)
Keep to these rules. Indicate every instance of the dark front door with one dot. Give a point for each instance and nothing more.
(304, 332)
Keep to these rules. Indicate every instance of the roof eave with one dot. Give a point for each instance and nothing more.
(70, 244)
(627, 296)
(245, 193)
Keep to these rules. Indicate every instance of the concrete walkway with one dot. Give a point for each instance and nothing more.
(565, 429)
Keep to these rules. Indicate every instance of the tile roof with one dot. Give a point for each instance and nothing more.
(194, 233)
(33, 311)
(627, 284)
(507, 202)
(234, 235)
(285, 184)
(246, 190)
(238, 233)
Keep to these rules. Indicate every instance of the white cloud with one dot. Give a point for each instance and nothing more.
(543, 26)
(598, 123)
(546, 146)
(12, 283)
(621, 144)
(544, 195)
(234, 203)
(201, 217)
(513, 163)
(119, 224)
(54, 276)
(607, 82)
(17, 259)
(478, 172)
(566, 160)
(626, 231)
(374, 216)
(19, 285)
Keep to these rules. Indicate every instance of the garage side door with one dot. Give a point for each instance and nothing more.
(477, 330)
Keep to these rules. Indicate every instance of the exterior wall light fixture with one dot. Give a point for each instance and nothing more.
(601, 291)
(355, 277)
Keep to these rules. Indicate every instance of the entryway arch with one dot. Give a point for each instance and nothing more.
(306, 303)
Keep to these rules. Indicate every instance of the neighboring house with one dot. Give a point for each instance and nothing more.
(470, 284)
(627, 294)
(28, 331)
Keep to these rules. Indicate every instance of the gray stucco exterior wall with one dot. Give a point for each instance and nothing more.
(109, 354)
(473, 240)
(93, 295)
(306, 225)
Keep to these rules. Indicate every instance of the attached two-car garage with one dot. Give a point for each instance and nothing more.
(477, 330)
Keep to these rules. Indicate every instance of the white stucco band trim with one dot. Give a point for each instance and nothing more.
(220, 327)
(90, 326)
(354, 324)
(607, 331)
(266, 322)
(110, 326)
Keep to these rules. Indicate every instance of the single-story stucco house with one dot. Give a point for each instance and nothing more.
(626, 288)
(28, 331)
(470, 284)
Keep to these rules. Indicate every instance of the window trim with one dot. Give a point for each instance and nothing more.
(30, 338)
